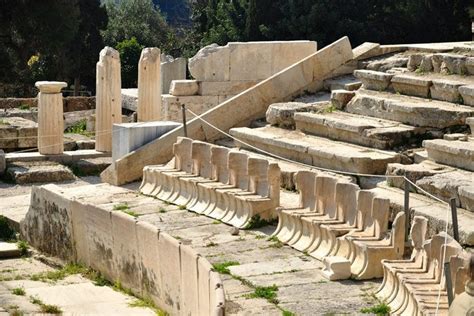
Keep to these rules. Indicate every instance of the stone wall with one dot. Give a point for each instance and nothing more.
(70, 104)
(149, 262)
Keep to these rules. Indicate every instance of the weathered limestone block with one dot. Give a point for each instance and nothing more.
(413, 172)
(412, 85)
(171, 108)
(50, 117)
(184, 87)
(130, 99)
(470, 65)
(347, 82)
(385, 64)
(373, 80)
(149, 85)
(3, 163)
(414, 61)
(470, 122)
(189, 281)
(223, 88)
(171, 69)
(282, 114)
(446, 90)
(463, 304)
(340, 98)
(453, 153)
(454, 64)
(130, 136)
(366, 50)
(336, 268)
(9, 250)
(108, 98)
(456, 136)
(426, 64)
(467, 94)
(31, 172)
(211, 63)
(17, 132)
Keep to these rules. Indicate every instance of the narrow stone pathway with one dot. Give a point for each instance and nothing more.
(29, 286)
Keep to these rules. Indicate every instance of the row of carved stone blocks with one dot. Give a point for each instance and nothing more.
(224, 184)
(337, 219)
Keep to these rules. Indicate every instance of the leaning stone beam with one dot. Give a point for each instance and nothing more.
(237, 111)
(149, 85)
(108, 107)
(50, 117)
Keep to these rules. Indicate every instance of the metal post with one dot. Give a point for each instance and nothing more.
(183, 111)
(454, 214)
(407, 209)
(449, 282)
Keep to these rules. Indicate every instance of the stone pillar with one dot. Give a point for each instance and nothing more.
(149, 85)
(108, 108)
(50, 117)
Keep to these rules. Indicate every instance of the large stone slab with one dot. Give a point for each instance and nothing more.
(373, 80)
(239, 110)
(316, 151)
(247, 61)
(414, 172)
(31, 172)
(446, 90)
(347, 82)
(184, 87)
(282, 114)
(171, 69)
(130, 99)
(130, 136)
(458, 154)
(356, 129)
(412, 85)
(17, 132)
(467, 93)
(408, 110)
(171, 106)
(222, 88)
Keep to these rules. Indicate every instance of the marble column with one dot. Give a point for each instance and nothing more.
(50, 117)
(108, 108)
(149, 85)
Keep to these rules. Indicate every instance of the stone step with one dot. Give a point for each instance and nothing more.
(442, 181)
(348, 82)
(454, 153)
(434, 211)
(409, 110)
(34, 172)
(9, 250)
(357, 129)
(316, 151)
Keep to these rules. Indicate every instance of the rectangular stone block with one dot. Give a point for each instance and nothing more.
(211, 63)
(129, 136)
(446, 90)
(189, 281)
(412, 85)
(81, 227)
(170, 274)
(172, 69)
(467, 93)
(149, 257)
(198, 104)
(204, 269)
(285, 54)
(125, 251)
(130, 99)
(184, 87)
(223, 88)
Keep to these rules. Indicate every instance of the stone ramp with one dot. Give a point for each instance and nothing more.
(316, 151)
(409, 110)
(357, 129)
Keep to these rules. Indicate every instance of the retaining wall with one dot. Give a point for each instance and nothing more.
(149, 262)
(70, 104)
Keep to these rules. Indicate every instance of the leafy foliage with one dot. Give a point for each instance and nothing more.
(130, 51)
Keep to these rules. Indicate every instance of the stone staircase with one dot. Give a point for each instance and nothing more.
(408, 120)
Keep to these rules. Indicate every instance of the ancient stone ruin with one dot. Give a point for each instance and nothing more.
(299, 174)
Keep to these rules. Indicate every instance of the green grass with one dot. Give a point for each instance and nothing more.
(121, 207)
(120, 288)
(35, 300)
(162, 210)
(380, 309)
(266, 292)
(3, 122)
(131, 213)
(259, 236)
(50, 309)
(23, 246)
(18, 291)
(147, 303)
(287, 313)
(24, 107)
(257, 222)
(62, 273)
(182, 207)
(79, 128)
(216, 222)
(223, 267)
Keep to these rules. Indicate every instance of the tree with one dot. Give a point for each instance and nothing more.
(136, 18)
(130, 51)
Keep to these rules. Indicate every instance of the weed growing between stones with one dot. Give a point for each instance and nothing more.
(45, 308)
(379, 309)
(24, 107)
(259, 236)
(14, 310)
(18, 291)
(121, 207)
(147, 303)
(223, 267)
(23, 246)
(79, 128)
(162, 210)
(257, 222)
(182, 207)
(216, 222)
(211, 244)
(287, 313)
(266, 292)
(131, 213)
